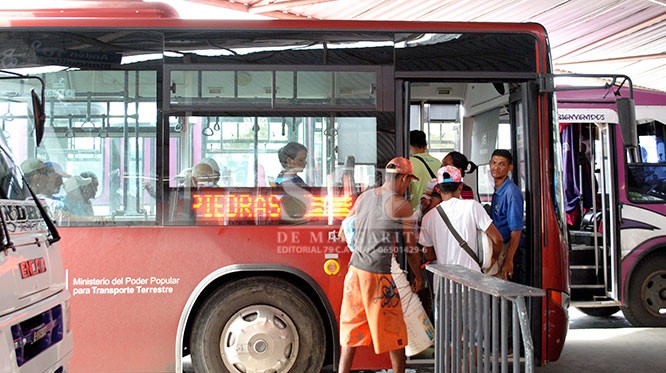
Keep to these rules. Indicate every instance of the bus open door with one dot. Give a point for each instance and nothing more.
(590, 137)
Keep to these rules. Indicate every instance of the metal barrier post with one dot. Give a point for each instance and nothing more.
(474, 316)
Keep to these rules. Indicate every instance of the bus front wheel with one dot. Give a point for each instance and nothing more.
(646, 298)
(258, 324)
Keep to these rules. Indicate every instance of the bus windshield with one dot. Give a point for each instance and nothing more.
(17, 118)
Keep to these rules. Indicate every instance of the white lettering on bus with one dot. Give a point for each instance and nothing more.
(154, 290)
(164, 281)
(283, 237)
(582, 117)
(316, 237)
(292, 249)
(112, 291)
(126, 285)
(78, 281)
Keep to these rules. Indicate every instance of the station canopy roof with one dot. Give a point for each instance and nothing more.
(588, 37)
(619, 37)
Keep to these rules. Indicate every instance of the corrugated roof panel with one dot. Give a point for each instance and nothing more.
(575, 38)
(579, 30)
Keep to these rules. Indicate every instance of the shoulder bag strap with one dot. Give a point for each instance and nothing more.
(432, 174)
(455, 234)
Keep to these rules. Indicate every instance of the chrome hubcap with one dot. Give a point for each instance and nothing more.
(259, 338)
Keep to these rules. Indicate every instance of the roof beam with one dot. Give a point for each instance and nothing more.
(231, 5)
(627, 58)
(266, 6)
(275, 10)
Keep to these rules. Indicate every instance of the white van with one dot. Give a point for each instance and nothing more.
(35, 333)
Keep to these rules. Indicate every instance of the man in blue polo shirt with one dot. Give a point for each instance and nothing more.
(506, 211)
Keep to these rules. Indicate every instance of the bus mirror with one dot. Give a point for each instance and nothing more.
(626, 111)
(39, 115)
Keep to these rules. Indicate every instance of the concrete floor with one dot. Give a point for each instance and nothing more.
(610, 345)
(607, 345)
(596, 344)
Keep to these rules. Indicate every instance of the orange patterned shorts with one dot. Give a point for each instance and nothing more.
(371, 312)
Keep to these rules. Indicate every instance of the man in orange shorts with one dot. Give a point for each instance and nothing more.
(371, 310)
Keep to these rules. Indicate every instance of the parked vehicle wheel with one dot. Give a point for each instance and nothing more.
(599, 311)
(258, 324)
(646, 300)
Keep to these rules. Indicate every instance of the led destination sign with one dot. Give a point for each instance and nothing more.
(251, 206)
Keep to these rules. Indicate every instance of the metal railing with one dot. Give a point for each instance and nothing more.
(472, 322)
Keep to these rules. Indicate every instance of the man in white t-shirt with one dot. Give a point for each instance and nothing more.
(466, 216)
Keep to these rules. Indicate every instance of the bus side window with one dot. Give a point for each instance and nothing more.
(646, 183)
(651, 136)
(180, 206)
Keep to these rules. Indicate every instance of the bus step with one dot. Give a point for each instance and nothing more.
(585, 237)
(596, 303)
(583, 275)
(588, 286)
(581, 254)
(587, 293)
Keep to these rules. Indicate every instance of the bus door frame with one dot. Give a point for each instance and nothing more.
(523, 113)
(610, 211)
(519, 109)
(611, 207)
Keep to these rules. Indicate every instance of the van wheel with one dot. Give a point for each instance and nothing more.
(646, 300)
(259, 324)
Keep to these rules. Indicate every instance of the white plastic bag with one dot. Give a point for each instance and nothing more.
(420, 331)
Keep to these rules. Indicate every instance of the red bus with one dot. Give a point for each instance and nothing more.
(243, 275)
(616, 202)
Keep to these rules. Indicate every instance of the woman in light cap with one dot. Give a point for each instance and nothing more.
(56, 174)
(77, 200)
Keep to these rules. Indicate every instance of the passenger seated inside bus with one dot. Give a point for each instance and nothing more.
(213, 179)
(294, 204)
(56, 176)
(76, 206)
(37, 175)
(293, 158)
(203, 176)
(90, 190)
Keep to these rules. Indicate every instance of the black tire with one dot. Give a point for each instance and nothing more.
(263, 323)
(599, 311)
(646, 298)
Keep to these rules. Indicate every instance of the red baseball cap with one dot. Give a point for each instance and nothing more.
(400, 165)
